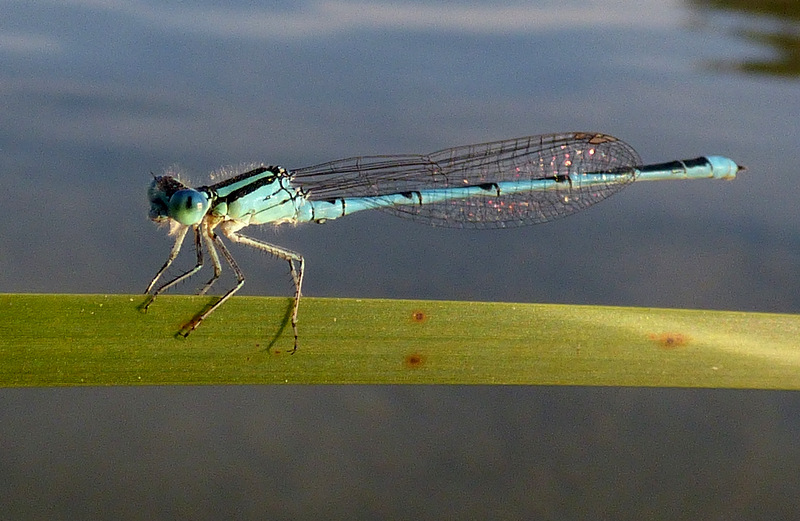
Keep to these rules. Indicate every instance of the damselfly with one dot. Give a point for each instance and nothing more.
(501, 184)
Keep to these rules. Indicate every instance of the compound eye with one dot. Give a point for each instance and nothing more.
(188, 206)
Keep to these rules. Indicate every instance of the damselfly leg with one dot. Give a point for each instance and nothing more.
(173, 254)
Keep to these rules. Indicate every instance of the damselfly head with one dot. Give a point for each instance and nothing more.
(161, 189)
(188, 206)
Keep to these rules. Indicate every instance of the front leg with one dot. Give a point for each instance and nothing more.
(173, 254)
(210, 238)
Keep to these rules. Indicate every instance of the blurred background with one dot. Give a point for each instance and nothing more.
(96, 94)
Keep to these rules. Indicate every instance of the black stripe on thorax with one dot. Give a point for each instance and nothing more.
(245, 175)
(251, 187)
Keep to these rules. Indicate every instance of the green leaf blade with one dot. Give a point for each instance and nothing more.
(55, 340)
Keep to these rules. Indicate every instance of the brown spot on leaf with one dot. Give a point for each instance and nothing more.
(669, 340)
(418, 316)
(414, 360)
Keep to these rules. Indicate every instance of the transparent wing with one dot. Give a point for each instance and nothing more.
(512, 162)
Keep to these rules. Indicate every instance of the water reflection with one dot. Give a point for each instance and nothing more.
(773, 24)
